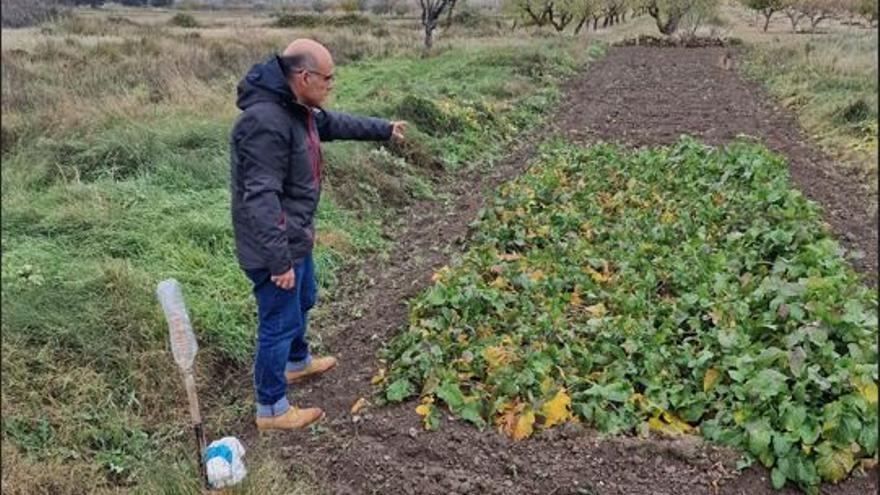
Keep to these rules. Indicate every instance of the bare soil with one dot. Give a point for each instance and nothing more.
(637, 95)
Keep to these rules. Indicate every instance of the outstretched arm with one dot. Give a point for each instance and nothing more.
(336, 125)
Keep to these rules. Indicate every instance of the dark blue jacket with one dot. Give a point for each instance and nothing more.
(276, 167)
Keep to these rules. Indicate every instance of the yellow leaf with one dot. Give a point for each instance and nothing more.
(524, 425)
(575, 299)
(358, 405)
(379, 377)
(716, 315)
(869, 392)
(440, 274)
(676, 423)
(557, 410)
(596, 310)
(499, 283)
(546, 385)
(424, 408)
(587, 230)
(598, 277)
(667, 217)
(739, 416)
(710, 378)
(668, 424)
(509, 256)
(639, 400)
(483, 331)
(495, 356)
(536, 276)
(505, 418)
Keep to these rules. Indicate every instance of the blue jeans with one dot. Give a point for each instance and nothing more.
(281, 333)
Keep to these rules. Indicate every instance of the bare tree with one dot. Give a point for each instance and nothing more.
(431, 12)
(538, 12)
(450, 12)
(818, 10)
(868, 9)
(700, 13)
(795, 14)
(667, 14)
(560, 17)
(584, 11)
(766, 8)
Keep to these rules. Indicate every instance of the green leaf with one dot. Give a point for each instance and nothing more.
(435, 297)
(809, 433)
(471, 412)
(767, 384)
(618, 392)
(614, 392)
(793, 417)
(451, 395)
(399, 390)
(777, 478)
(868, 437)
(727, 338)
(759, 435)
(432, 420)
(781, 444)
(796, 358)
(849, 429)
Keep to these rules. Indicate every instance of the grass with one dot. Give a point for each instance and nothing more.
(115, 177)
(830, 81)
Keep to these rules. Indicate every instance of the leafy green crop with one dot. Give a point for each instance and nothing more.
(675, 289)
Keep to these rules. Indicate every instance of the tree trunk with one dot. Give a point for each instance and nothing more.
(449, 14)
(671, 25)
(580, 24)
(595, 23)
(539, 21)
(429, 37)
(767, 17)
(563, 21)
(795, 16)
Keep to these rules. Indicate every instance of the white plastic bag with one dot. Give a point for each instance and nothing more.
(223, 461)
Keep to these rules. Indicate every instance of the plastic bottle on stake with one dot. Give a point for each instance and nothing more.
(183, 348)
(183, 341)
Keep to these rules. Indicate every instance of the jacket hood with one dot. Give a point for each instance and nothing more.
(264, 82)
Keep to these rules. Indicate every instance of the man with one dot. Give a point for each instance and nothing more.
(275, 188)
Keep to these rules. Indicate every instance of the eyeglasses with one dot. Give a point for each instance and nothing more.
(326, 77)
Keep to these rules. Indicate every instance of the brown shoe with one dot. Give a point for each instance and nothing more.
(294, 419)
(315, 367)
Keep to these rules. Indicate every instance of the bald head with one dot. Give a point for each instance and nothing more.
(312, 53)
(308, 67)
